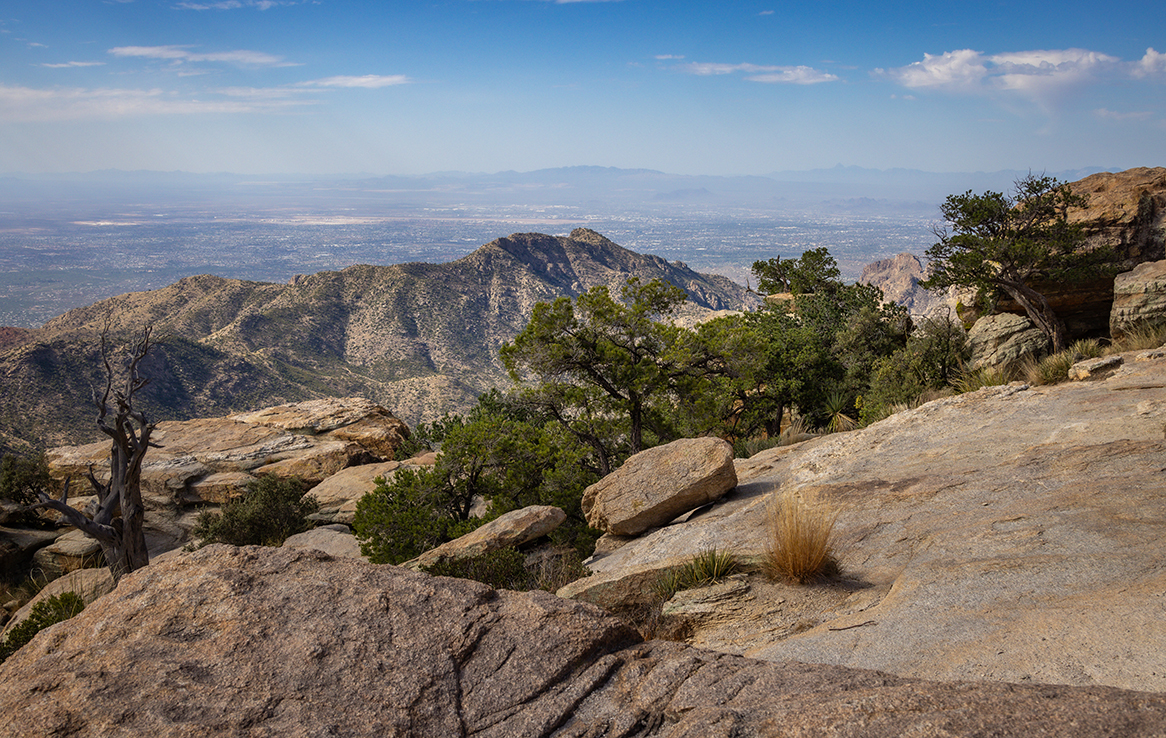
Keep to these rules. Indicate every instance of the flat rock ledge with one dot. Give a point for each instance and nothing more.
(657, 485)
(266, 642)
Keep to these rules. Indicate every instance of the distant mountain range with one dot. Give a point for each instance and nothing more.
(418, 338)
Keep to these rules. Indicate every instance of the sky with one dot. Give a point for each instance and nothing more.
(724, 88)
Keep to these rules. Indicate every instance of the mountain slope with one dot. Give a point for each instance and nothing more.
(418, 338)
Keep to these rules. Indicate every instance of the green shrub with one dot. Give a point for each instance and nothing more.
(47, 612)
(273, 509)
(706, 567)
(21, 479)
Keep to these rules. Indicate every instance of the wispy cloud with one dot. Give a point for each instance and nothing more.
(1114, 115)
(668, 57)
(183, 54)
(1043, 76)
(72, 64)
(236, 4)
(25, 104)
(799, 75)
(371, 81)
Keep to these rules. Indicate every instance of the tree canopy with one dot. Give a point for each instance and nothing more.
(1007, 243)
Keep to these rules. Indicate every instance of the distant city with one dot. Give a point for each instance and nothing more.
(67, 243)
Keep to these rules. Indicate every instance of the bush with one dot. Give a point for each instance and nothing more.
(273, 509)
(800, 531)
(48, 611)
(21, 479)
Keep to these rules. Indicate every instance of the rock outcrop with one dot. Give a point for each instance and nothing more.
(1003, 339)
(212, 460)
(1012, 534)
(510, 529)
(256, 641)
(1139, 299)
(1126, 211)
(656, 485)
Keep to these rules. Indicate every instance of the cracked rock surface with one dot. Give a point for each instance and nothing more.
(278, 642)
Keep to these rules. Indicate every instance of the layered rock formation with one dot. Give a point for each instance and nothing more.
(212, 460)
(251, 642)
(1012, 534)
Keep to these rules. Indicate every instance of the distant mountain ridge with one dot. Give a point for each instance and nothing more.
(418, 338)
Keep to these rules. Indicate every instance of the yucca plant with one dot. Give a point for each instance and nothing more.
(801, 529)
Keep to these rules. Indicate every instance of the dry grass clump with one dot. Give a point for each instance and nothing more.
(801, 528)
(1141, 338)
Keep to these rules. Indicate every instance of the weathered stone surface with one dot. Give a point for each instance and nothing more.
(89, 584)
(1014, 534)
(74, 550)
(1002, 339)
(313, 466)
(218, 488)
(1094, 368)
(334, 540)
(511, 529)
(351, 484)
(1139, 298)
(1126, 211)
(656, 485)
(258, 642)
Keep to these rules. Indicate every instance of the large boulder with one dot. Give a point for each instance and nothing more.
(255, 641)
(1139, 299)
(73, 550)
(1011, 534)
(655, 486)
(510, 529)
(1003, 339)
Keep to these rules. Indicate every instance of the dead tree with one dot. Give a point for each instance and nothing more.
(117, 523)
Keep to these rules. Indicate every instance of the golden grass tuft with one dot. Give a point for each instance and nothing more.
(801, 528)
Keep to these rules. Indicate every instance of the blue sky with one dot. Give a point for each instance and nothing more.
(335, 86)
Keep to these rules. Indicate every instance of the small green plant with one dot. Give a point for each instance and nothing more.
(48, 611)
(21, 479)
(974, 379)
(706, 567)
(273, 509)
(801, 528)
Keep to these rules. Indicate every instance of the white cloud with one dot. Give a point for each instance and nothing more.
(758, 73)
(766, 12)
(183, 54)
(1151, 64)
(236, 4)
(1043, 76)
(667, 57)
(72, 64)
(953, 70)
(371, 81)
